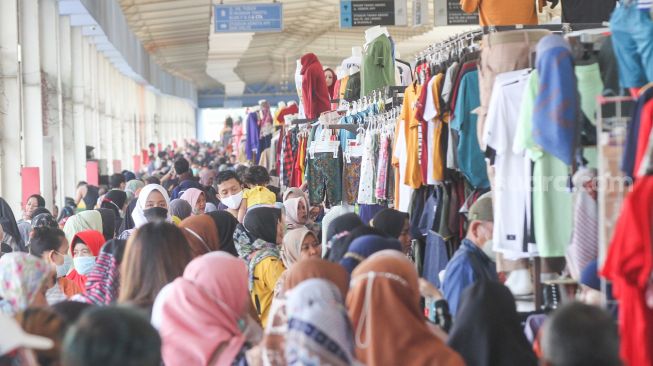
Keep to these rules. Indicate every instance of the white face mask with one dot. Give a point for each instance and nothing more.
(233, 202)
(65, 267)
(488, 249)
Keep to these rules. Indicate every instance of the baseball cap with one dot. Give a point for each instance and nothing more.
(481, 210)
(13, 337)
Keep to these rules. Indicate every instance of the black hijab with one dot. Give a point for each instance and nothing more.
(108, 223)
(261, 223)
(128, 222)
(9, 226)
(346, 222)
(487, 330)
(390, 222)
(117, 197)
(226, 224)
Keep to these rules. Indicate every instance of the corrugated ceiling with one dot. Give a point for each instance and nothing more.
(178, 34)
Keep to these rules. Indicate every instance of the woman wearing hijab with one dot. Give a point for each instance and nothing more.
(197, 200)
(85, 220)
(115, 200)
(133, 188)
(152, 206)
(103, 282)
(85, 247)
(12, 237)
(154, 257)
(24, 279)
(203, 313)
(337, 233)
(299, 244)
(487, 330)
(383, 302)
(363, 247)
(296, 205)
(108, 223)
(257, 240)
(201, 233)
(180, 209)
(394, 224)
(319, 330)
(274, 337)
(226, 224)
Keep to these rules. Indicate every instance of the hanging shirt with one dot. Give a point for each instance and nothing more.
(410, 124)
(512, 178)
(555, 118)
(629, 265)
(587, 11)
(433, 113)
(502, 12)
(471, 160)
(378, 65)
(403, 192)
(315, 93)
(552, 204)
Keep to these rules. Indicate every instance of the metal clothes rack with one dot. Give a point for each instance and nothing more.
(564, 27)
(612, 126)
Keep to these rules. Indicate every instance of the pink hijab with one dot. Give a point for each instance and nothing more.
(202, 310)
(191, 195)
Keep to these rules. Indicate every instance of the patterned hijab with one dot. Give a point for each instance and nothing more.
(103, 283)
(21, 278)
(319, 330)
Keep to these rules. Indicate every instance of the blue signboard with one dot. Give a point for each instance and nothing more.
(367, 13)
(248, 18)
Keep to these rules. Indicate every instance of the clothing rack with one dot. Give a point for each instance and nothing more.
(563, 28)
(303, 121)
(455, 43)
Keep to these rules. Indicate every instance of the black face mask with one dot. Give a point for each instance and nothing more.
(155, 214)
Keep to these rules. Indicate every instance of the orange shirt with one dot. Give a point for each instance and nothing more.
(413, 176)
(502, 12)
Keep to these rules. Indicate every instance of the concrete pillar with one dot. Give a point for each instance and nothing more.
(52, 113)
(32, 101)
(116, 118)
(100, 97)
(79, 105)
(110, 92)
(10, 106)
(95, 110)
(68, 160)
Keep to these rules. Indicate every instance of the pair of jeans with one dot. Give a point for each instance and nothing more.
(632, 40)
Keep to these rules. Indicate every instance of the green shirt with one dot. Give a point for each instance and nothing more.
(552, 200)
(378, 68)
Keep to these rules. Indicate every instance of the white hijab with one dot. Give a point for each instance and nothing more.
(138, 215)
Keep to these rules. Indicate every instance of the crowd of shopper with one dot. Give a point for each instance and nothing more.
(197, 261)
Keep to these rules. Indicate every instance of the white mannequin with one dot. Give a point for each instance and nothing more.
(351, 65)
(357, 52)
(373, 33)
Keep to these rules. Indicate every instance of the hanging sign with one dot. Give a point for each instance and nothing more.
(368, 13)
(449, 12)
(248, 18)
(420, 12)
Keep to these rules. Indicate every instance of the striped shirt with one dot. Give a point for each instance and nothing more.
(644, 4)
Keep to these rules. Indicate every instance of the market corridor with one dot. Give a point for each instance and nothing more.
(387, 182)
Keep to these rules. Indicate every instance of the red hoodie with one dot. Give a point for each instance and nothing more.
(315, 94)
